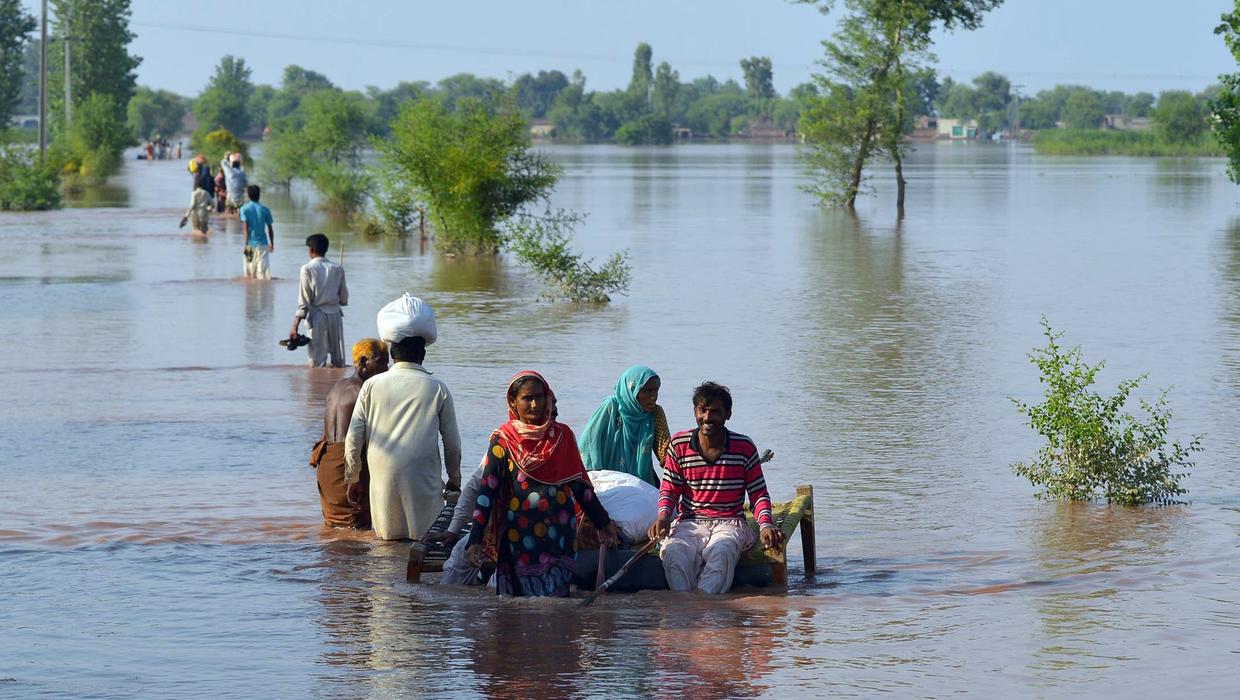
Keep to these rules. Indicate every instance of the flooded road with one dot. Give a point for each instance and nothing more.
(160, 533)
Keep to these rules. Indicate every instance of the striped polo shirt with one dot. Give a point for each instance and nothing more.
(713, 489)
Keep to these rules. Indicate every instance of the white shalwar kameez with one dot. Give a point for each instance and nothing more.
(398, 420)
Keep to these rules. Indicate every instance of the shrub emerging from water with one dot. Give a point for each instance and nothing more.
(28, 184)
(483, 188)
(1095, 448)
(1098, 142)
(542, 242)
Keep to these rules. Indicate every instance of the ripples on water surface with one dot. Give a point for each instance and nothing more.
(159, 532)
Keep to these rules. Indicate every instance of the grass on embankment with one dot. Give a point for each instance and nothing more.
(1096, 142)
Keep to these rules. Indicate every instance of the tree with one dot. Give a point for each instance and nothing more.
(643, 74)
(868, 60)
(155, 112)
(713, 114)
(535, 94)
(1083, 110)
(29, 101)
(1139, 105)
(15, 28)
(101, 62)
(225, 102)
(993, 94)
(663, 94)
(259, 104)
(759, 83)
(1037, 113)
(295, 83)
(1180, 118)
(467, 86)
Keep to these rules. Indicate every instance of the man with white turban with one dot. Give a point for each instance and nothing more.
(397, 424)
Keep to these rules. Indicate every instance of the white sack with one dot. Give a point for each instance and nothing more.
(407, 317)
(631, 502)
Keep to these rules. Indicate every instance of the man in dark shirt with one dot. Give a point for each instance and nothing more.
(345, 506)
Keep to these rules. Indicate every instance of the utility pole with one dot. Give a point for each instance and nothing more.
(1016, 110)
(43, 85)
(68, 79)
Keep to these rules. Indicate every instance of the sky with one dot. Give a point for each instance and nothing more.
(1129, 45)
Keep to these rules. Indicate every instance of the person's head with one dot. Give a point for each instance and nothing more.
(254, 192)
(370, 357)
(236, 160)
(528, 399)
(317, 243)
(712, 407)
(638, 389)
(410, 350)
(202, 160)
(648, 397)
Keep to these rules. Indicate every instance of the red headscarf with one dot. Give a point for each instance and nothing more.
(546, 453)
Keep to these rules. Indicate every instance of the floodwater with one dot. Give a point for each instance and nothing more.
(159, 528)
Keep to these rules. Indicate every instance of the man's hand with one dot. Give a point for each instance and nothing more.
(475, 556)
(354, 494)
(659, 528)
(184, 220)
(448, 538)
(772, 537)
(611, 535)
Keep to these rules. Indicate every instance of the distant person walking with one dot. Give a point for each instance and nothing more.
(235, 180)
(221, 190)
(260, 235)
(321, 293)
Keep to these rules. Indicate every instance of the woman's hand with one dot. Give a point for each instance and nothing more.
(610, 535)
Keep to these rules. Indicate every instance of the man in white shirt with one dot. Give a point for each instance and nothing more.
(398, 420)
(321, 293)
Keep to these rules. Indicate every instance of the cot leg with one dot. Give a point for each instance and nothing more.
(808, 543)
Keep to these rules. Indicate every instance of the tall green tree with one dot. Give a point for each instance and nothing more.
(15, 28)
(759, 84)
(225, 102)
(100, 59)
(1226, 105)
(643, 71)
(666, 87)
(1083, 110)
(864, 108)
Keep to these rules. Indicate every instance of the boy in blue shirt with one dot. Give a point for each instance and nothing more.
(260, 237)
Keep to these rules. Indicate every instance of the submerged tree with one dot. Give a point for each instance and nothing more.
(863, 110)
(1226, 105)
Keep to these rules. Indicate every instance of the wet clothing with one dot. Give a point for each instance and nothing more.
(533, 524)
(457, 569)
(702, 554)
(532, 481)
(221, 191)
(256, 219)
(329, 461)
(620, 435)
(715, 489)
(199, 211)
(255, 262)
(397, 423)
(321, 293)
(235, 180)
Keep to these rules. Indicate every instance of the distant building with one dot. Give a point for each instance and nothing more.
(682, 133)
(957, 129)
(765, 131)
(1119, 122)
(26, 121)
(541, 130)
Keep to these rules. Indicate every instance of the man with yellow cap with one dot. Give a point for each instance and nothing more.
(345, 505)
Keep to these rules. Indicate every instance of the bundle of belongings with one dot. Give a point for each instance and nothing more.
(407, 317)
(630, 501)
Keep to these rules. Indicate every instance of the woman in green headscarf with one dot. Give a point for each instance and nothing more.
(628, 431)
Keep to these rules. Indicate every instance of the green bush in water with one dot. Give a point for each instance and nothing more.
(1095, 449)
(28, 184)
(215, 144)
(542, 242)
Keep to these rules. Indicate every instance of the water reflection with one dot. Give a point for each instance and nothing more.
(259, 314)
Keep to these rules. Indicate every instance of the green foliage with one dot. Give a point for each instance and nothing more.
(1083, 110)
(663, 93)
(643, 71)
(536, 94)
(396, 203)
(1095, 449)
(1180, 117)
(1098, 142)
(1138, 105)
(712, 115)
(473, 167)
(101, 62)
(480, 181)
(344, 188)
(645, 130)
(543, 242)
(1226, 104)
(216, 144)
(224, 104)
(154, 112)
(15, 28)
(322, 142)
(28, 184)
(91, 152)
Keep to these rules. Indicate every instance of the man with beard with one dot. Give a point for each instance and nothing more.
(706, 475)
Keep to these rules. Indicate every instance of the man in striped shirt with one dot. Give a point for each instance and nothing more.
(706, 475)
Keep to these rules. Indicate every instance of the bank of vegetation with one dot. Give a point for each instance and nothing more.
(1095, 142)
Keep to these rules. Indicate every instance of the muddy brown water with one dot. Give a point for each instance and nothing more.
(159, 533)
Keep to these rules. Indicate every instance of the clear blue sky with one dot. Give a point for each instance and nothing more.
(1125, 45)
